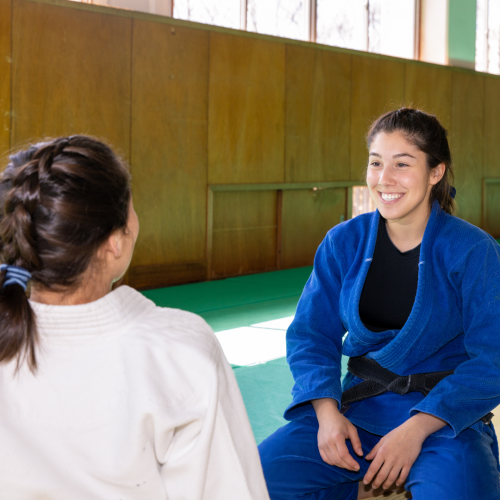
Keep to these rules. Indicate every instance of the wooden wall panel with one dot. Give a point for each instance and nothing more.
(318, 100)
(307, 216)
(71, 71)
(5, 67)
(467, 143)
(169, 150)
(246, 110)
(244, 232)
(429, 88)
(491, 220)
(377, 87)
(491, 136)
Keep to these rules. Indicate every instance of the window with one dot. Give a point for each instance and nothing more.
(488, 36)
(381, 26)
(342, 23)
(391, 27)
(217, 12)
(362, 202)
(284, 18)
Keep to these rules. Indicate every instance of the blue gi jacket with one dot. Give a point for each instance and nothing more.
(454, 324)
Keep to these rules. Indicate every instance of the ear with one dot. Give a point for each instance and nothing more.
(112, 246)
(437, 174)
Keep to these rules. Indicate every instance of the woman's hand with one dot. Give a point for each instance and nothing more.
(333, 431)
(394, 455)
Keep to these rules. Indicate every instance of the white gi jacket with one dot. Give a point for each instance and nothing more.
(130, 402)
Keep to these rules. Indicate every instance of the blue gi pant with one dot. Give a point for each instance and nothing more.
(447, 469)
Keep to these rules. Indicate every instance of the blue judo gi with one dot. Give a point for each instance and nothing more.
(454, 325)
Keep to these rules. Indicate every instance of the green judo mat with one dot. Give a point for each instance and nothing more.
(266, 392)
(241, 301)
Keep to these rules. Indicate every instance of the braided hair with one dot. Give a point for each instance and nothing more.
(426, 133)
(60, 200)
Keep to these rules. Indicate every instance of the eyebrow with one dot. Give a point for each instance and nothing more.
(399, 155)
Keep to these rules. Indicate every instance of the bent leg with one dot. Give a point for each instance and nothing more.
(294, 469)
(460, 468)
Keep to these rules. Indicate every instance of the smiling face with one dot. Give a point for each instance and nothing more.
(398, 178)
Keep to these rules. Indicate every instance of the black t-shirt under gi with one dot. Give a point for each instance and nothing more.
(390, 286)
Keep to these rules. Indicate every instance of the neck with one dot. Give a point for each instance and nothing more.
(89, 291)
(407, 233)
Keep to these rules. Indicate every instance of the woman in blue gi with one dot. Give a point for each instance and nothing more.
(418, 291)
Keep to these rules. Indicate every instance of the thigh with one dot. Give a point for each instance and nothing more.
(464, 467)
(294, 469)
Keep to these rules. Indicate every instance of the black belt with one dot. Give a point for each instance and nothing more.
(377, 380)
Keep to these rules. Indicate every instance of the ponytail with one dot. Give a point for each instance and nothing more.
(18, 332)
(59, 202)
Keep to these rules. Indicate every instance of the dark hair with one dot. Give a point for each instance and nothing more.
(59, 202)
(426, 133)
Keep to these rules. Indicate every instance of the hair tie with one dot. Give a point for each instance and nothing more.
(15, 275)
(453, 192)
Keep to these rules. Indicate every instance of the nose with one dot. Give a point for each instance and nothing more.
(386, 177)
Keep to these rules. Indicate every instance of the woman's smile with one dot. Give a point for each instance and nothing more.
(390, 198)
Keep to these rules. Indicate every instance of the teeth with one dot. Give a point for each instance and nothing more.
(390, 197)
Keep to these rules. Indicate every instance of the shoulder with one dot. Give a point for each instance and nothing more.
(349, 235)
(461, 238)
(175, 347)
(161, 327)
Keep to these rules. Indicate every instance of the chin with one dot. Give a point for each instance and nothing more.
(392, 213)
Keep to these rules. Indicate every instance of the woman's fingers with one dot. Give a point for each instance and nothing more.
(345, 456)
(403, 476)
(391, 478)
(373, 451)
(382, 475)
(373, 469)
(355, 441)
(325, 457)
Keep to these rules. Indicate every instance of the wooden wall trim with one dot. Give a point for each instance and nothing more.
(155, 276)
(285, 186)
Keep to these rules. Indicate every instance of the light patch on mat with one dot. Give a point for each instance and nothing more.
(276, 324)
(250, 346)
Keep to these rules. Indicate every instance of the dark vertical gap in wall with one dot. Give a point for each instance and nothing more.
(126, 278)
(350, 119)
(209, 213)
(11, 70)
(279, 226)
(404, 103)
(131, 87)
(284, 116)
(483, 187)
(405, 99)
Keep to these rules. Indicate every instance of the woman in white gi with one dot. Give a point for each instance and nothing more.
(103, 395)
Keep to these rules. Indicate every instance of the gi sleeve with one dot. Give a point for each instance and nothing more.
(314, 339)
(212, 454)
(473, 390)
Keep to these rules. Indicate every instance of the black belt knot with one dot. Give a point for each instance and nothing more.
(377, 380)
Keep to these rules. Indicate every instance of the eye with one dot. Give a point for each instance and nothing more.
(375, 164)
(401, 164)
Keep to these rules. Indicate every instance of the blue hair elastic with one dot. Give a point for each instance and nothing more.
(453, 192)
(15, 275)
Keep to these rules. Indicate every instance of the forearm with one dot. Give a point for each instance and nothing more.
(325, 407)
(425, 424)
